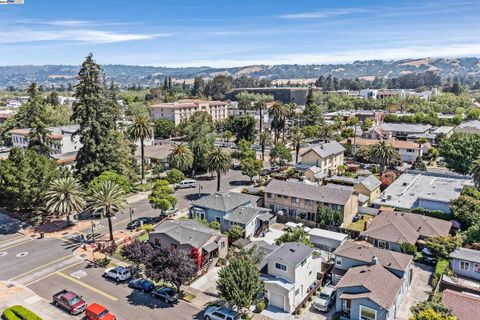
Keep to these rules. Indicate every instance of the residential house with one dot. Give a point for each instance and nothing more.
(204, 243)
(367, 186)
(5, 115)
(466, 263)
(472, 126)
(299, 199)
(230, 209)
(291, 272)
(326, 240)
(325, 156)
(390, 229)
(463, 305)
(370, 282)
(423, 189)
(375, 116)
(263, 249)
(408, 150)
(397, 130)
(185, 108)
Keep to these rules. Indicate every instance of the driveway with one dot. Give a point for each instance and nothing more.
(418, 291)
(312, 314)
(208, 282)
(273, 233)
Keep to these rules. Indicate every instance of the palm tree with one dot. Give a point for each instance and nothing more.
(244, 101)
(382, 153)
(278, 112)
(108, 199)
(141, 129)
(476, 173)
(260, 104)
(219, 162)
(297, 139)
(64, 197)
(181, 157)
(265, 139)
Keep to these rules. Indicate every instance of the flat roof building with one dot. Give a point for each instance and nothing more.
(184, 109)
(296, 95)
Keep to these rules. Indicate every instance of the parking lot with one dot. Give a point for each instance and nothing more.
(122, 301)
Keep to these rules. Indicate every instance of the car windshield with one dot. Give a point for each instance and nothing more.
(74, 301)
(324, 296)
(103, 313)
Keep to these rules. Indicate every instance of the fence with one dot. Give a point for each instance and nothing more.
(313, 291)
(353, 234)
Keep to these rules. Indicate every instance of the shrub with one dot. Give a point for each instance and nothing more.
(299, 311)
(310, 299)
(119, 179)
(20, 313)
(175, 176)
(214, 225)
(409, 248)
(102, 262)
(260, 306)
(147, 227)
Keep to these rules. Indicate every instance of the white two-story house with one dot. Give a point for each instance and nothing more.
(291, 271)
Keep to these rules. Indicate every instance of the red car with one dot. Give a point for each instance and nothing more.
(98, 312)
(69, 301)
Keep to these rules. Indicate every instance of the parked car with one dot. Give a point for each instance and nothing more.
(187, 184)
(117, 273)
(265, 172)
(325, 299)
(275, 169)
(98, 312)
(142, 284)
(221, 313)
(138, 222)
(69, 301)
(166, 294)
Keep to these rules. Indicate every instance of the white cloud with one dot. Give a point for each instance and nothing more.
(78, 35)
(324, 14)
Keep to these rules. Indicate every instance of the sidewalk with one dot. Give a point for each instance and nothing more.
(20, 295)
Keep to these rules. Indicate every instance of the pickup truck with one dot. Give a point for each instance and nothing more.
(70, 302)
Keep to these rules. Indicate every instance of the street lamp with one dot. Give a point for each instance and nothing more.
(131, 212)
(199, 188)
(93, 231)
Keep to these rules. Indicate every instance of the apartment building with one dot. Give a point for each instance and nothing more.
(324, 158)
(184, 109)
(408, 150)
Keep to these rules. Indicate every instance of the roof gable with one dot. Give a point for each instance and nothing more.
(223, 201)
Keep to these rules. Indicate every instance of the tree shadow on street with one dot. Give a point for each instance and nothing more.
(195, 196)
(138, 298)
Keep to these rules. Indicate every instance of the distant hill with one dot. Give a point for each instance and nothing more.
(20, 76)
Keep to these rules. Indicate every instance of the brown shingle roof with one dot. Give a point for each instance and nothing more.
(400, 227)
(310, 192)
(382, 286)
(462, 305)
(361, 252)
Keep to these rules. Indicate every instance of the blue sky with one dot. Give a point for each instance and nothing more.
(235, 33)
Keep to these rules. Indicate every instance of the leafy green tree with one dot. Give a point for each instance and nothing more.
(65, 197)
(245, 101)
(382, 154)
(52, 99)
(214, 225)
(108, 199)
(280, 155)
(295, 235)
(243, 127)
(408, 248)
(475, 172)
(141, 129)
(164, 128)
(430, 314)
(245, 151)
(251, 167)
(235, 233)
(432, 309)
(466, 208)
(218, 87)
(443, 245)
(239, 283)
(162, 196)
(265, 139)
(329, 216)
(103, 148)
(24, 176)
(198, 86)
(472, 234)
(311, 131)
(460, 151)
(175, 176)
(181, 157)
(366, 124)
(218, 162)
(119, 179)
(227, 135)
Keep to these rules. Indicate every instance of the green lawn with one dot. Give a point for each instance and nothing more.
(358, 226)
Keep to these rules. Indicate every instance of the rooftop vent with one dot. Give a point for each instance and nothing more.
(374, 260)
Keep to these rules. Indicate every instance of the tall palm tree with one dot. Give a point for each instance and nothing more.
(297, 139)
(108, 199)
(382, 154)
(476, 173)
(219, 162)
(141, 129)
(260, 104)
(265, 139)
(278, 112)
(181, 157)
(64, 197)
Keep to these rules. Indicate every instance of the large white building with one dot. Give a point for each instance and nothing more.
(184, 109)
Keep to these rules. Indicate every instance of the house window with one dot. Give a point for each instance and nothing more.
(222, 245)
(382, 244)
(157, 242)
(303, 262)
(464, 265)
(218, 219)
(308, 202)
(409, 150)
(295, 200)
(338, 261)
(269, 195)
(366, 313)
(280, 266)
(477, 267)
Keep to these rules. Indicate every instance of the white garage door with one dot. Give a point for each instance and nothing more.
(276, 300)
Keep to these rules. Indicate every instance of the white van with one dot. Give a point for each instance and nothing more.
(187, 184)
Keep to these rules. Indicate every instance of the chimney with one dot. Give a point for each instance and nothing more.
(374, 260)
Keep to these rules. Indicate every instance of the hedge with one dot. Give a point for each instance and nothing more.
(19, 313)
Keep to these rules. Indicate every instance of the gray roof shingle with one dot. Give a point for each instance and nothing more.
(293, 253)
(311, 192)
(371, 182)
(188, 232)
(222, 201)
(244, 214)
(466, 254)
(326, 149)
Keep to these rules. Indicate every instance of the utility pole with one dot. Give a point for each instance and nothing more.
(131, 212)
(93, 231)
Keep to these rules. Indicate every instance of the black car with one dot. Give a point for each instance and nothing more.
(166, 294)
(142, 284)
(137, 223)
